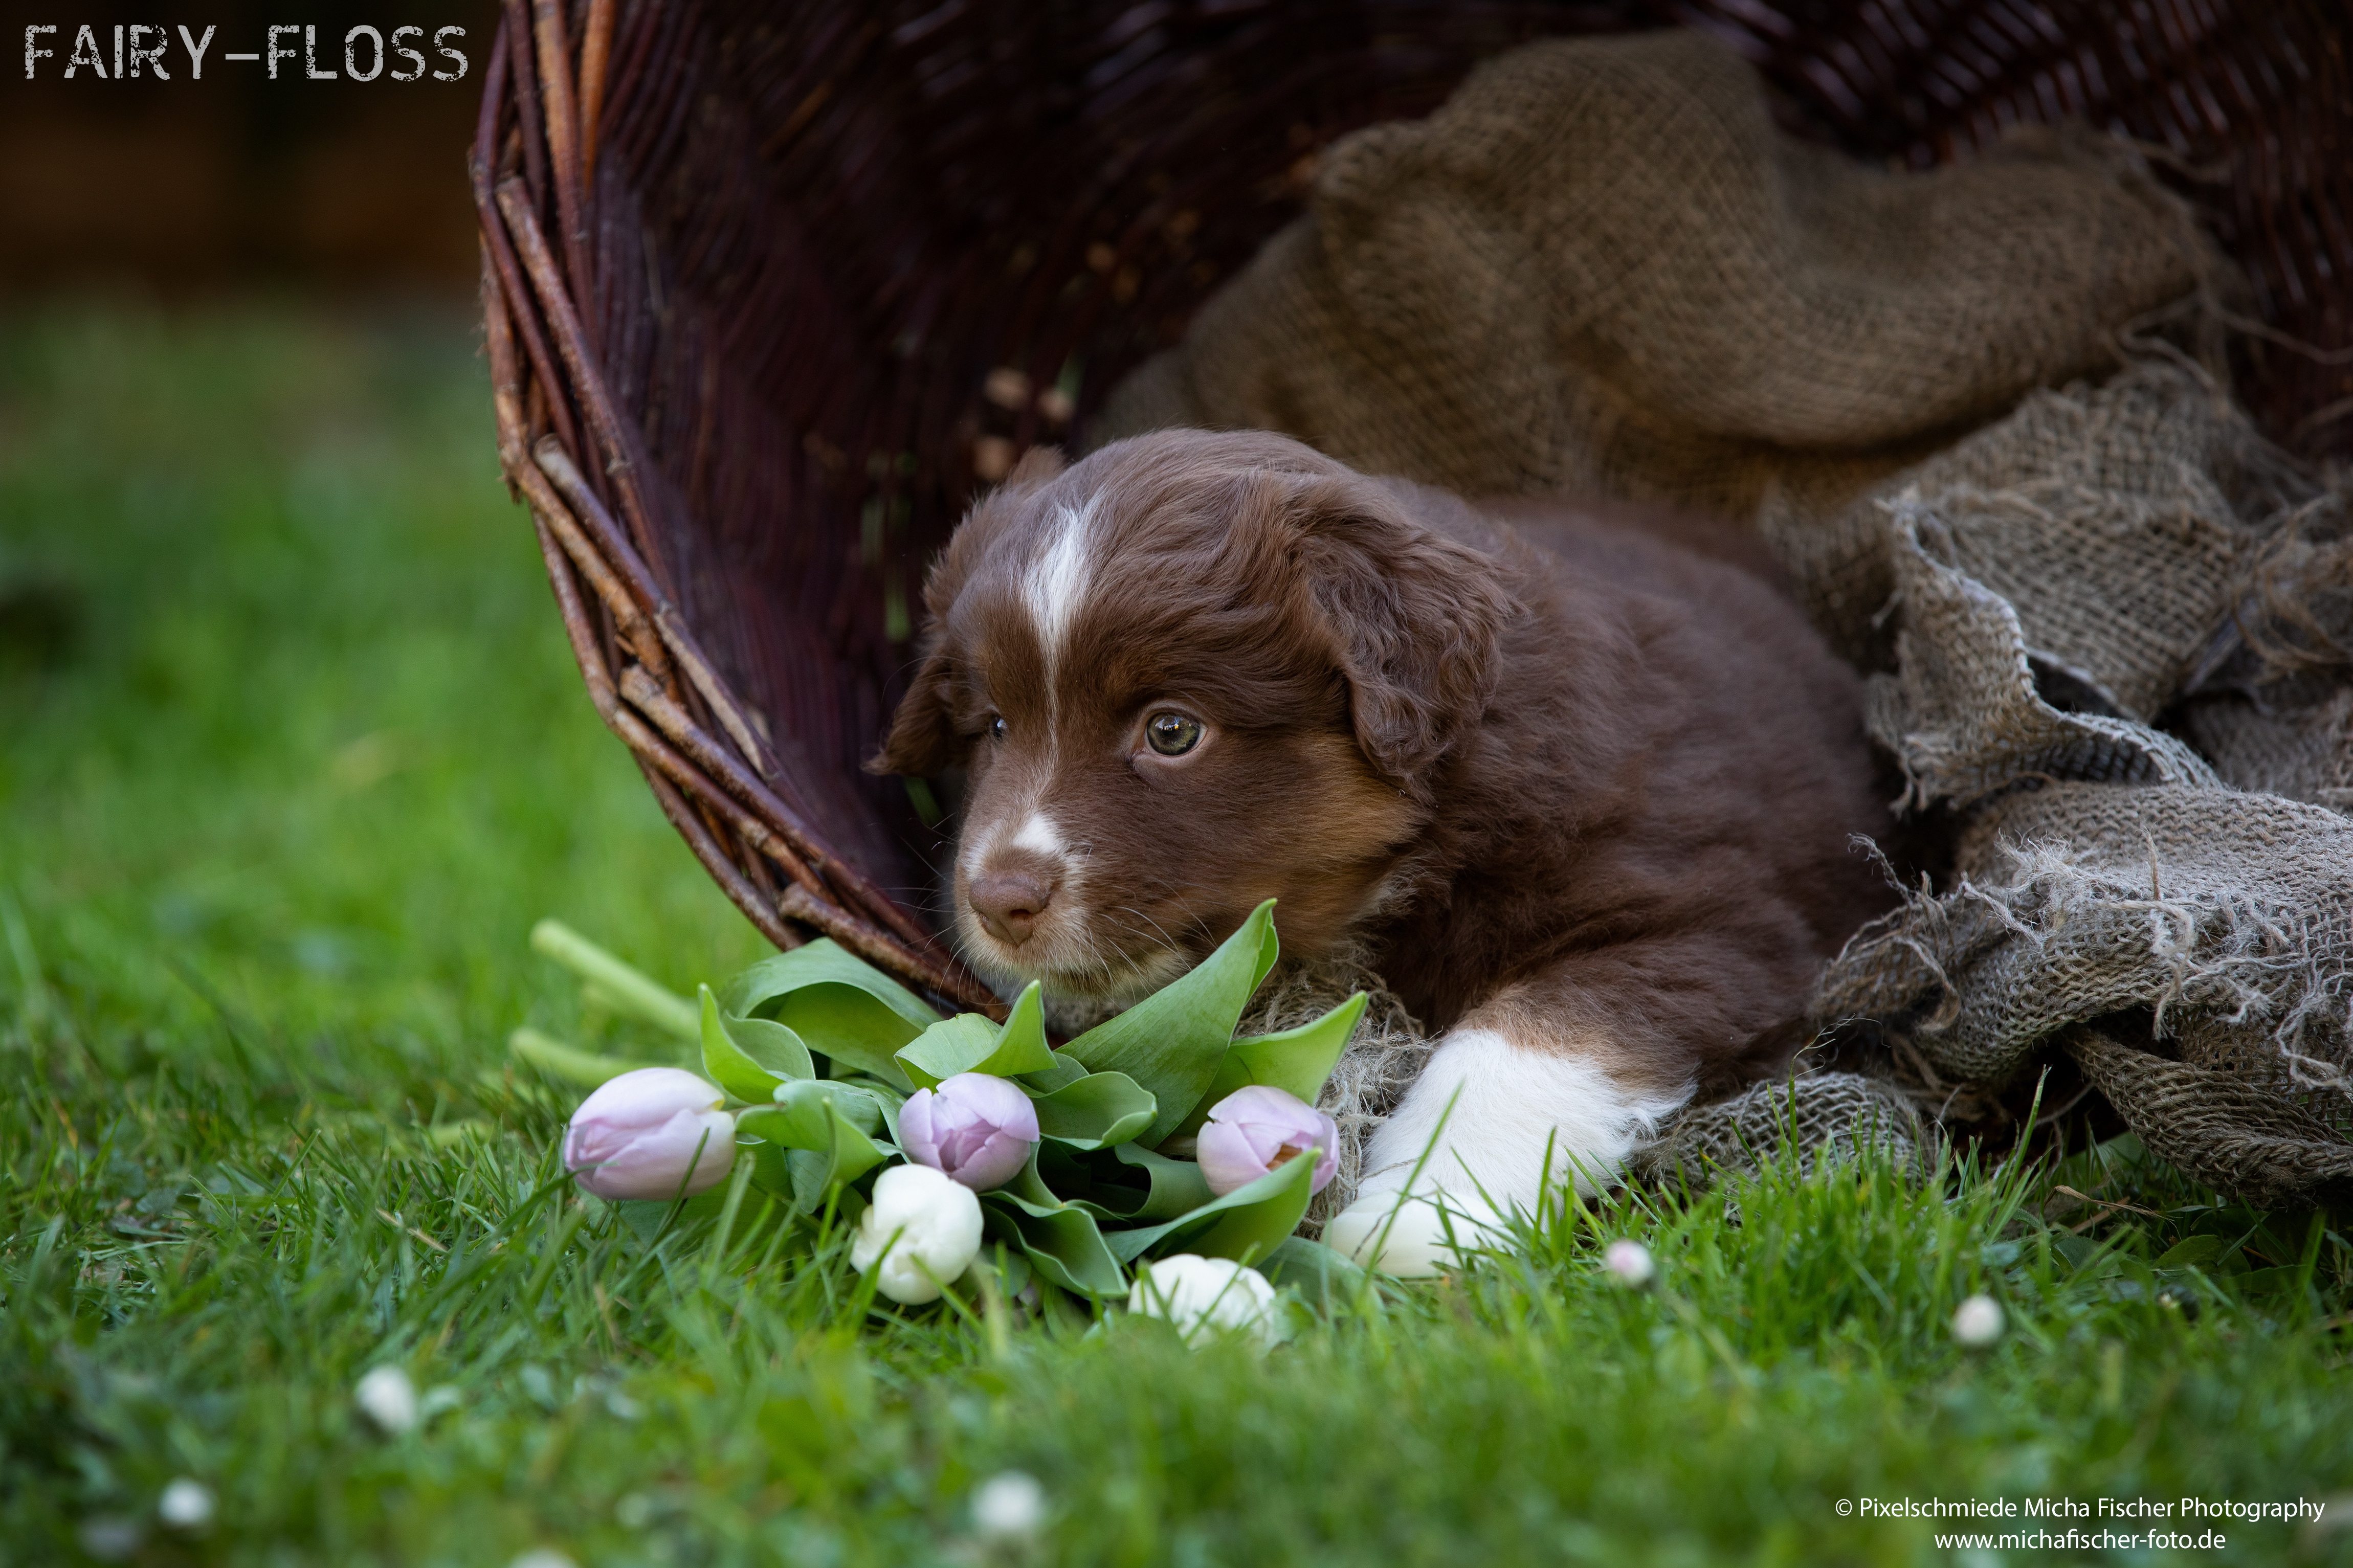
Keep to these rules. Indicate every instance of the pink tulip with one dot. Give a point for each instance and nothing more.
(974, 1127)
(638, 1136)
(1254, 1130)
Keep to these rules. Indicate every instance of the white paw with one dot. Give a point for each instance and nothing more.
(1495, 1121)
(1412, 1237)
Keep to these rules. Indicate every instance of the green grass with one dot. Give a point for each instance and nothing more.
(272, 837)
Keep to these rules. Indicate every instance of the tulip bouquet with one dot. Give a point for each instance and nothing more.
(1156, 1135)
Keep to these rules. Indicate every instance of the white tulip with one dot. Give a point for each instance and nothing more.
(388, 1398)
(1412, 1237)
(1629, 1262)
(185, 1504)
(1978, 1321)
(1208, 1296)
(922, 1230)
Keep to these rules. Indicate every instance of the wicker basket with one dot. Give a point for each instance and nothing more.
(770, 289)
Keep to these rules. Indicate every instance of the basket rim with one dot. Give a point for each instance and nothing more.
(647, 675)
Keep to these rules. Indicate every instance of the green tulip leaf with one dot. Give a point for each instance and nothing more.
(970, 1043)
(946, 1049)
(1064, 1244)
(889, 1099)
(1030, 1185)
(771, 1045)
(771, 1172)
(1004, 1265)
(1172, 1042)
(1322, 1276)
(1178, 1186)
(1248, 1222)
(749, 1057)
(831, 1123)
(1021, 1044)
(1296, 1060)
(1096, 1111)
(1065, 1072)
(842, 1006)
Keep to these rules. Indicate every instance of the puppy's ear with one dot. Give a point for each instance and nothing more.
(1416, 619)
(923, 740)
(1037, 465)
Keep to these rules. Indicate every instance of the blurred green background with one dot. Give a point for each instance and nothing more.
(288, 733)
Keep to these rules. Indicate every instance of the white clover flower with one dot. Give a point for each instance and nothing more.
(541, 1557)
(1630, 1262)
(187, 1504)
(1978, 1321)
(1203, 1297)
(642, 1133)
(922, 1230)
(389, 1399)
(1008, 1505)
(110, 1537)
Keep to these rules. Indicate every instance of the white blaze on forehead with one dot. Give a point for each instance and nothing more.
(1057, 580)
(1037, 832)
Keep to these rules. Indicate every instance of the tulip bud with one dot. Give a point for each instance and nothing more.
(1629, 1262)
(922, 1230)
(974, 1127)
(1254, 1130)
(1206, 1296)
(641, 1134)
(1978, 1321)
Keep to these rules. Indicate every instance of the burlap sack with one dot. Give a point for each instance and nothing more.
(1600, 268)
(2158, 455)
(2108, 866)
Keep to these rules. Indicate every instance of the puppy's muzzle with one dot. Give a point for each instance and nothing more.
(1009, 902)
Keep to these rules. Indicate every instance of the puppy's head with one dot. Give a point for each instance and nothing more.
(1193, 672)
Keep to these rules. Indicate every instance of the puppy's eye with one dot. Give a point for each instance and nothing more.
(997, 726)
(1172, 734)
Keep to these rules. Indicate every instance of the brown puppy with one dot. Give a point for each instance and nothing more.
(1589, 803)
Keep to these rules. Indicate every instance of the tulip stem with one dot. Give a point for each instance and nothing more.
(620, 986)
(556, 1059)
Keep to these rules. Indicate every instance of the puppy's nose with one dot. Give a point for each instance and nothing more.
(1009, 902)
